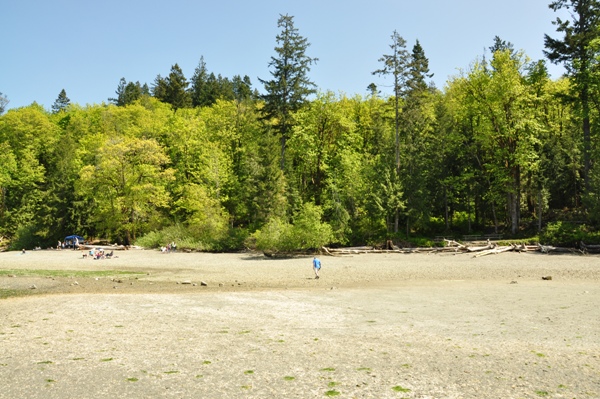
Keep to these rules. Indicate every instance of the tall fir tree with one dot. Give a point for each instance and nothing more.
(396, 64)
(127, 93)
(173, 89)
(289, 86)
(199, 85)
(177, 94)
(61, 103)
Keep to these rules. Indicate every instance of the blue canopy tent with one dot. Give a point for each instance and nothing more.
(70, 240)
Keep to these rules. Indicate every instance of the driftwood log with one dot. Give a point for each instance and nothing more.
(455, 247)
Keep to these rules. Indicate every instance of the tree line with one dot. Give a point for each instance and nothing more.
(215, 165)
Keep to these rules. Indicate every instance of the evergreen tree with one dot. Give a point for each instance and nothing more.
(289, 86)
(61, 102)
(502, 45)
(3, 103)
(578, 51)
(396, 64)
(177, 84)
(128, 93)
(159, 88)
(199, 85)
(173, 89)
(417, 120)
(242, 88)
(418, 69)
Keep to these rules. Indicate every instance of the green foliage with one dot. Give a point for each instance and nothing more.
(289, 87)
(568, 234)
(307, 232)
(25, 238)
(62, 102)
(501, 147)
(188, 238)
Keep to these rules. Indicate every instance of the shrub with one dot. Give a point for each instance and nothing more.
(25, 238)
(307, 232)
(568, 234)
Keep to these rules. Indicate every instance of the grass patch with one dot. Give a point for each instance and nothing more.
(9, 293)
(249, 372)
(328, 369)
(108, 359)
(172, 372)
(132, 379)
(206, 362)
(289, 378)
(45, 362)
(542, 393)
(332, 392)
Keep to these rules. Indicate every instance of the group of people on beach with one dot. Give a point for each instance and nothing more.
(98, 253)
(172, 247)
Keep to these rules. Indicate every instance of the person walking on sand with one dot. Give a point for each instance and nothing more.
(316, 266)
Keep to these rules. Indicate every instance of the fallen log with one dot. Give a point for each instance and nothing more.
(476, 249)
(546, 249)
(495, 250)
(452, 243)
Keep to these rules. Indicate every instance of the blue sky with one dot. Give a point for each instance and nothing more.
(86, 46)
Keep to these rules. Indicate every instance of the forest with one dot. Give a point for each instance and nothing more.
(217, 164)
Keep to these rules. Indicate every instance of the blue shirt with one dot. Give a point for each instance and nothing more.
(316, 263)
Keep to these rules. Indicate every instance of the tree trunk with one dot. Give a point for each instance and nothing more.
(495, 217)
(282, 161)
(539, 224)
(446, 208)
(513, 206)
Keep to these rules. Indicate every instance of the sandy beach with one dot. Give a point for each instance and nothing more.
(246, 326)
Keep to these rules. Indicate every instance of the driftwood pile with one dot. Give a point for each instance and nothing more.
(476, 248)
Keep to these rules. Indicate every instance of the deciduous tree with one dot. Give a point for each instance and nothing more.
(578, 51)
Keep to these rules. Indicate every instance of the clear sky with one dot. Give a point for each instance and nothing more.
(86, 46)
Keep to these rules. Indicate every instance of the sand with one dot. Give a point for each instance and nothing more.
(373, 326)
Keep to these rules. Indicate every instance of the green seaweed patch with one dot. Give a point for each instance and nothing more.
(132, 379)
(108, 359)
(289, 378)
(332, 392)
(328, 369)
(67, 273)
(399, 388)
(172, 372)
(249, 372)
